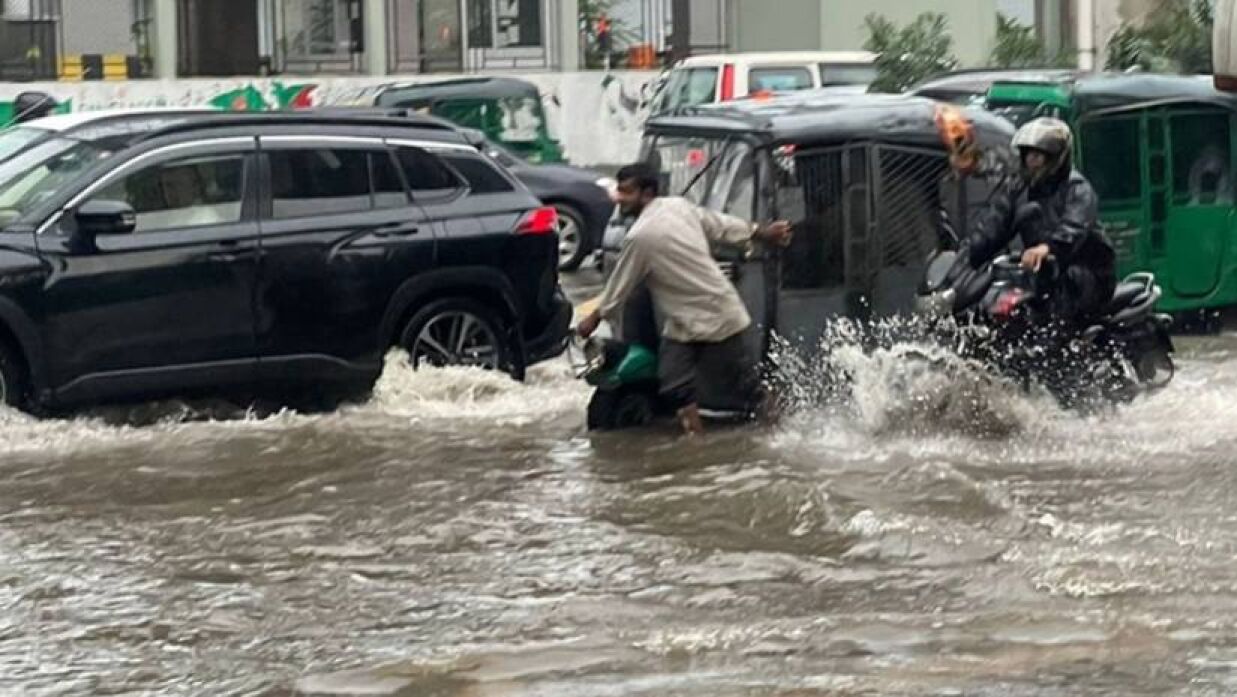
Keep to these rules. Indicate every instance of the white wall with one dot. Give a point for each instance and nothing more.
(1021, 10)
(596, 116)
(972, 23)
(795, 24)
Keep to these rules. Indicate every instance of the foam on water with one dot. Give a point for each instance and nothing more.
(550, 393)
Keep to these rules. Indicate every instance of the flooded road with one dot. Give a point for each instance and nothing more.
(462, 535)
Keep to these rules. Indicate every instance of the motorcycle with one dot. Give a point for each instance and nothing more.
(1003, 314)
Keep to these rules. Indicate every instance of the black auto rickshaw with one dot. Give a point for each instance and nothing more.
(507, 110)
(862, 179)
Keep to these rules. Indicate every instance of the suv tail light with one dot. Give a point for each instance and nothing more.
(539, 221)
(727, 82)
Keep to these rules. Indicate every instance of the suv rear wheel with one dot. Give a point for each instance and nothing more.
(571, 243)
(458, 331)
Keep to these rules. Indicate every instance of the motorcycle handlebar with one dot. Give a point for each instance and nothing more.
(1011, 262)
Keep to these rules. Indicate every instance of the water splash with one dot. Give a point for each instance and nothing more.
(549, 391)
(898, 377)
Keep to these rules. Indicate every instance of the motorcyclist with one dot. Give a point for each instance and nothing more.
(1053, 209)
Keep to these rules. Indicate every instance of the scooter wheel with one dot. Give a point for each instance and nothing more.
(621, 408)
(1155, 369)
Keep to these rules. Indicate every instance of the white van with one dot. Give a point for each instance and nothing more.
(722, 77)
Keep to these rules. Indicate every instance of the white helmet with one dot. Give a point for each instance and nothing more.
(1050, 136)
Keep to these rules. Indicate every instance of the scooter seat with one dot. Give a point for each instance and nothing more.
(1124, 296)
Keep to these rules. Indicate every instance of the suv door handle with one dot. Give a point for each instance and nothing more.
(229, 251)
(395, 230)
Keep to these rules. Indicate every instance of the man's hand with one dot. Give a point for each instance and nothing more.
(589, 324)
(778, 233)
(1034, 257)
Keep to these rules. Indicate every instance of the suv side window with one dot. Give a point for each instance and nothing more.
(481, 176)
(189, 192)
(427, 176)
(320, 181)
(389, 191)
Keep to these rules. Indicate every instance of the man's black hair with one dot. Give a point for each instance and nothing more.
(645, 175)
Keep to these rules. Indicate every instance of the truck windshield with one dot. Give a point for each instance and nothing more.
(683, 161)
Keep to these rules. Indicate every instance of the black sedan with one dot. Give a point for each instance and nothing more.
(582, 198)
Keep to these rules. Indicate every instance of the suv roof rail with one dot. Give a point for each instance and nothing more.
(339, 116)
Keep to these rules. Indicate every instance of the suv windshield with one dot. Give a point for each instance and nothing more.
(14, 140)
(31, 177)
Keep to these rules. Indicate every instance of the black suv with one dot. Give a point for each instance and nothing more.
(234, 250)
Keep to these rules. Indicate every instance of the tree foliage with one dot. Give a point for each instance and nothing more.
(1019, 46)
(1175, 39)
(910, 54)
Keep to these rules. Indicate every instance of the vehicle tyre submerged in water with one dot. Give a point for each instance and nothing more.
(13, 379)
(571, 244)
(459, 332)
(627, 406)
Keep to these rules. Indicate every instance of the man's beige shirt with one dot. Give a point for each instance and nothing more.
(668, 250)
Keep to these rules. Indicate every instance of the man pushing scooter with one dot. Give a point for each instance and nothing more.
(703, 317)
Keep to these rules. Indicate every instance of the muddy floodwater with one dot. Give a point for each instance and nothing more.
(463, 535)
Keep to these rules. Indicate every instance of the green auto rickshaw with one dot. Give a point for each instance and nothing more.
(509, 111)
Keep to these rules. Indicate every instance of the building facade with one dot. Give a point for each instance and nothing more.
(114, 39)
(838, 25)
(46, 39)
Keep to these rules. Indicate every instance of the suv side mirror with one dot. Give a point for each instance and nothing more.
(102, 217)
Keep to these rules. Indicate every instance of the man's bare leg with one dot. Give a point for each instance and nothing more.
(689, 419)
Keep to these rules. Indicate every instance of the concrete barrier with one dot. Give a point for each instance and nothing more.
(597, 116)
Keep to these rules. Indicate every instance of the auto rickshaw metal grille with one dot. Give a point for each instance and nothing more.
(875, 206)
(832, 212)
(907, 199)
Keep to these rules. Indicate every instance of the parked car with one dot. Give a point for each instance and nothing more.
(722, 77)
(240, 250)
(582, 197)
(106, 130)
(508, 110)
